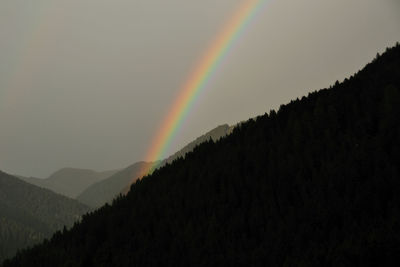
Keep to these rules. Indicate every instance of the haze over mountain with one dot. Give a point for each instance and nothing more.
(28, 214)
(87, 83)
(70, 182)
(92, 84)
(215, 134)
(314, 183)
(105, 191)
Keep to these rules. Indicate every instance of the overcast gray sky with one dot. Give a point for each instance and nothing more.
(86, 83)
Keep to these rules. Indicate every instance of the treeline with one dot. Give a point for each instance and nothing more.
(14, 236)
(29, 214)
(313, 184)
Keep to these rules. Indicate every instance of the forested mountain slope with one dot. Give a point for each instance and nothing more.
(105, 191)
(215, 134)
(28, 214)
(314, 184)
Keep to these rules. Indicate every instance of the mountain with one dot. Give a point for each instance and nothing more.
(69, 182)
(28, 214)
(215, 134)
(315, 183)
(105, 191)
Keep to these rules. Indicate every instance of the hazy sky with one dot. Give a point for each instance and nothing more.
(86, 83)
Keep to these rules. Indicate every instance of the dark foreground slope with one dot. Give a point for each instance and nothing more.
(315, 184)
(105, 191)
(28, 214)
(215, 134)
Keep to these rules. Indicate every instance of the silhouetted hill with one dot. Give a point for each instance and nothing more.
(105, 191)
(28, 214)
(70, 182)
(215, 134)
(314, 184)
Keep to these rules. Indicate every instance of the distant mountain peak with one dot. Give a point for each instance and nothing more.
(70, 181)
(105, 191)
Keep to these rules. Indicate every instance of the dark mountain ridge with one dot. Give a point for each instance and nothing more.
(106, 190)
(314, 184)
(215, 134)
(28, 214)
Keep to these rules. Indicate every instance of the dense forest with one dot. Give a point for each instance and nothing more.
(28, 214)
(106, 190)
(315, 183)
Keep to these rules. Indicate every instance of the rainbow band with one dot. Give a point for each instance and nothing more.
(199, 79)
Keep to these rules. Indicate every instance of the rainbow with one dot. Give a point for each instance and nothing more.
(21, 73)
(198, 81)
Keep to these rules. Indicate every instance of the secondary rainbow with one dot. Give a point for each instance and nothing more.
(199, 79)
